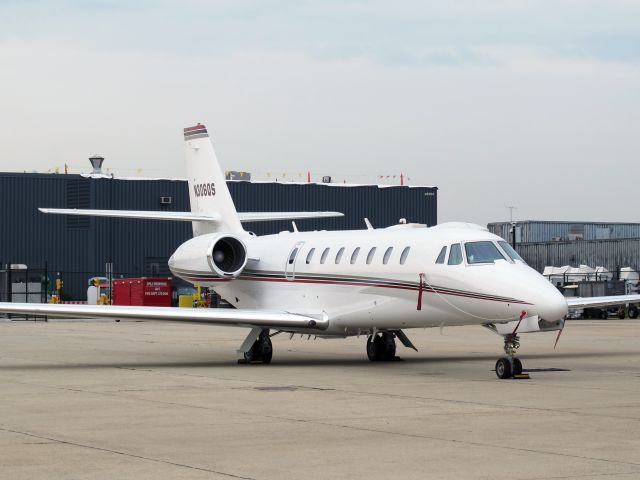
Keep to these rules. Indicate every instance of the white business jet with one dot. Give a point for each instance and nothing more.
(328, 284)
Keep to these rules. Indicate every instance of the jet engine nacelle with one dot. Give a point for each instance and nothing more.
(221, 253)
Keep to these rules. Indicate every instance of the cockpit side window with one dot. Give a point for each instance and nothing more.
(482, 252)
(508, 249)
(292, 257)
(339, 255)
(455, 254)
(441, 255)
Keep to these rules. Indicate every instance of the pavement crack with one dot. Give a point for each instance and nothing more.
(117, 452)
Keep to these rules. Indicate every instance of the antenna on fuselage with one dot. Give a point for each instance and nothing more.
(368, 224)
(295, 227)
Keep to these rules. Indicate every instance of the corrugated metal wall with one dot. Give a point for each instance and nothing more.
(81, 248)
(611, 254)
(535, 231)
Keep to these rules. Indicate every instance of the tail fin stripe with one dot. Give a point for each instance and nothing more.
(199, 131)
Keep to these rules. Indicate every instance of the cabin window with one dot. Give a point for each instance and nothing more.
(455, 254)
(339, 255)
(292, 257)
(310, 255)
(508, 249)
(404, 255)
(387, 255)
(354, 255)
(441, 255)
(370, 255)
(482, 252)
(325, 254)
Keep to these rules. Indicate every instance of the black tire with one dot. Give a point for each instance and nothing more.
(388, 347)
(633, 312)
(261, 350)
(503, 368)
(517, 366)
(266, 351)
(603, 315)
(374, 348)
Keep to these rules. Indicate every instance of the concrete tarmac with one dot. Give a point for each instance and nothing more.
(138, 400)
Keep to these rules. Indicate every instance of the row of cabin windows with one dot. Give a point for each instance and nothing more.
(354, 255)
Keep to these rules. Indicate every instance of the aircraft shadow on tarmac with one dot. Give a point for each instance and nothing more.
(291, 361)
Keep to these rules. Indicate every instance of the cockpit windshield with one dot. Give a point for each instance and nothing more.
(508, 249)
(482, 252)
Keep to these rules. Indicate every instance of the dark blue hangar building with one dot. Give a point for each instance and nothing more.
(77, 248)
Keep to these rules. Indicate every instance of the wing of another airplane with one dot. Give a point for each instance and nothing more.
(191, 216)
(588, 302)
(280, 320)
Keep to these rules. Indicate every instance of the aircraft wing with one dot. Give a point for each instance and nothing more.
(190, 216)
(589, 302)
(216, 316)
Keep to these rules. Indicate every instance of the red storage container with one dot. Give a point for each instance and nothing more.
(145, 291)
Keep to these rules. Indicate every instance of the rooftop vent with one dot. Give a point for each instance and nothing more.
(96, 163)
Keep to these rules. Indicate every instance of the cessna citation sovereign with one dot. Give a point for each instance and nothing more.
(328, 284)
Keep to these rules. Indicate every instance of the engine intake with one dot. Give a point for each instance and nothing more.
(227, 256)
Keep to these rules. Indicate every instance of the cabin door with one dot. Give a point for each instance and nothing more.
(290, 265)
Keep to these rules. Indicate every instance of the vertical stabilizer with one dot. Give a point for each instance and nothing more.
(208, 192)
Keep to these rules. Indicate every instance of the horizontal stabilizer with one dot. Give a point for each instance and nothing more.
(191, 216)
(216, 316)
(149, 215)
(594, 302)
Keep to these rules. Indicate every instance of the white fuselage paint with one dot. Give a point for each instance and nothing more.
(361, 297)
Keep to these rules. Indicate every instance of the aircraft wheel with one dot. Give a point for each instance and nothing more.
(517, 366)
(633, 312)
(374, 348)
(261, 350)
(266, 351)
(503, 368)
(388, 347)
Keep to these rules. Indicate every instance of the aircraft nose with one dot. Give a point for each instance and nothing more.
(551, 304)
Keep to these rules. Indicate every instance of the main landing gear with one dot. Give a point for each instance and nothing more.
(509, 366)
(381, 348)
(257, 347)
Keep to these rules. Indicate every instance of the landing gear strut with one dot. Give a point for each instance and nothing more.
(261, 351)
(507, 367)
(381, 348)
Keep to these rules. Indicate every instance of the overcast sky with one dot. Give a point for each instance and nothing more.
(497, 102)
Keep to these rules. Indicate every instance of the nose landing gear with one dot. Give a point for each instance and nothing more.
(509, 366)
